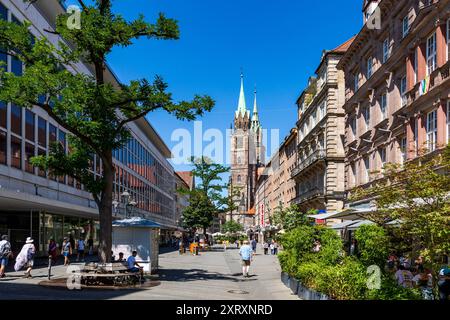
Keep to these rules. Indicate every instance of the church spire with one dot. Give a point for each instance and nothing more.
(242, 108)
(255, 117)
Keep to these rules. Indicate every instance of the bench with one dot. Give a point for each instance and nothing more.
(111, 273)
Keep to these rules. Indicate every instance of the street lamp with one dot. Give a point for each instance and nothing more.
(128, 202)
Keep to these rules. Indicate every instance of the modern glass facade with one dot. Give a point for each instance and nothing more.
(141, 170)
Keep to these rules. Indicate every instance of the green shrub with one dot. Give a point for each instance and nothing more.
(331, 245)
(373, 245)
(298, 242)
(391, 291)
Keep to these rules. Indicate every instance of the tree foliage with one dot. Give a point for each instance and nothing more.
(290, 218)
(232, 227)
(94, 110)
(205, 200)
(413, 206)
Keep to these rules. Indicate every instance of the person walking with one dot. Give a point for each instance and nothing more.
(272, 247)
(26, 257)
(5, 254)
(275, 247)
(246, 252)
(66, 251)
(91, 246)
(266, 247)
(80, 250)
(254, 244)
(52, 250)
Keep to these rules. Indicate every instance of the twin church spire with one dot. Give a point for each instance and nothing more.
(242, 115)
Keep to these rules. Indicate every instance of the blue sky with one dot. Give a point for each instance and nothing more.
(277, 43)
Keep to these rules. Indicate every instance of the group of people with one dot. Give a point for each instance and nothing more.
(413, 274)
(272, 245)
(25, 258)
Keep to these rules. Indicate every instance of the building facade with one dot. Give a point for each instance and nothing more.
(247, 154)
(37, 204)
(320, 168)
(275, 189)
(397, 88)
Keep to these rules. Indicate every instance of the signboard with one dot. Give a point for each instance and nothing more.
(262, 217)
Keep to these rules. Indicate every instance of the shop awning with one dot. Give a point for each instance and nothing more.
(136, 222)
(353, 214)
(324, 216)
(359, 224)
(343, 225)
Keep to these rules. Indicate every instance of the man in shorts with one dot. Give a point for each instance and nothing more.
(133, 266)
(246, 253)
(5, 254)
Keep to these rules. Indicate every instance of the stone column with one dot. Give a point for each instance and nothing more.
(442, 124)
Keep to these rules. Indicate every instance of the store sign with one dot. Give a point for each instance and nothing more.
(262, 217)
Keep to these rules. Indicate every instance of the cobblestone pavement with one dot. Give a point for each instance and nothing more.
(211, 275)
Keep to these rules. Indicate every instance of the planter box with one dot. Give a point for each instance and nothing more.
(293, 285)
(309, 294)
(285, 279)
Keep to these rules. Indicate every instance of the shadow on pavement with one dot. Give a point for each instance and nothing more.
(19, 291)
(194, 275)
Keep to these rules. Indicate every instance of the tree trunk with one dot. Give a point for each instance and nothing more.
(105, 211)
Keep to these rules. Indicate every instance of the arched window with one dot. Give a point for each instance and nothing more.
(238, 179)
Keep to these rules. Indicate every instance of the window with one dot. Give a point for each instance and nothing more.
(29, 153)
(382, 153)
(16, 119)
(353, 174)
(42, 132)
(3, 113)
(16, 152)
(353, 126)
(322, 111)
(3, 12)
(383, 106)
(431, 53)
(239, 179)
(367, 169)
(386, 51)
(16, 66)
(2, 146)
(403, 149)
(355, 82)
(403, 90)
(29, 125)
(431, 130)
(415, 67)
(62, 139)
(41, 152)
(369, 67)
(448, 38)
(405, 26)
(367, 117)
(448, 121)
(52, 133)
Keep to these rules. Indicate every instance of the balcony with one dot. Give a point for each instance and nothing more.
(308, 195)
(315, 157)
(421, 88)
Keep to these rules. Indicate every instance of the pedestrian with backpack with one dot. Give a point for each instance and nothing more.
(5, 254)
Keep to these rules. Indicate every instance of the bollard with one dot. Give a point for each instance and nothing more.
(49, 266)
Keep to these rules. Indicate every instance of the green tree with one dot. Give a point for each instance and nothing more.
(94, 110)
(413, 205)
(373, 245)
(290, 218)
(232, 227)
(206, 200)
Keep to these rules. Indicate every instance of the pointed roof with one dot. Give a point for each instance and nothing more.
(255, 117)
(255, 108)
(242, 107)
(344, 47)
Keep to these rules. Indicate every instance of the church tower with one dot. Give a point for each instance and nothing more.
(247, 154)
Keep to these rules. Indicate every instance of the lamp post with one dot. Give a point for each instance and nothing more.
(128, 203)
